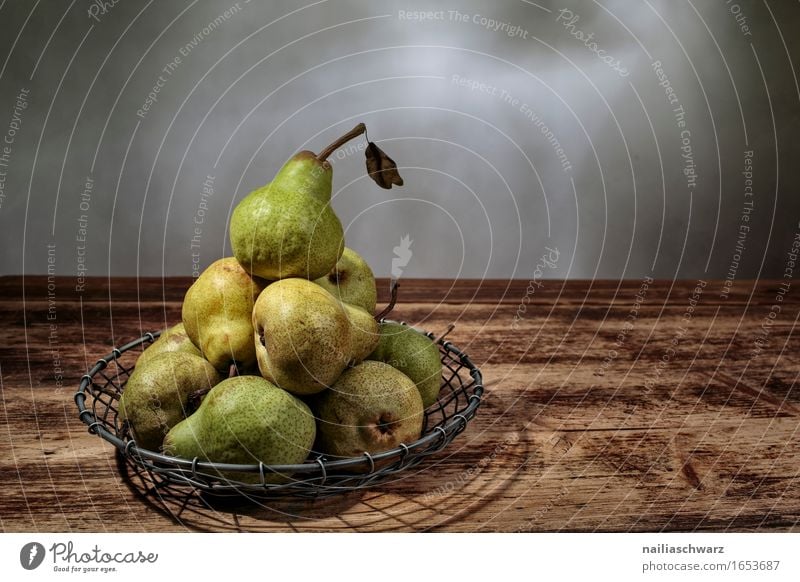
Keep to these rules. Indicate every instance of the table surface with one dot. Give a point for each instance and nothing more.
(609, 407)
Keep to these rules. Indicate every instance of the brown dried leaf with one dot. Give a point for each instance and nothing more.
(381, 167)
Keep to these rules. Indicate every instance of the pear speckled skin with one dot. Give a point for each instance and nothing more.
(173, 339)
(246, 420)
(288, 228)
(371, 408)
(217, 312)
(305, 337)
(352, 281)
(414, 354)
(156, 396)
(364, 333)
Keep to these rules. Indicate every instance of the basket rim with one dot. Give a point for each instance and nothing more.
(454, 424)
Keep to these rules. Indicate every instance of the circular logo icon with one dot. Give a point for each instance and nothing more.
(31, 555)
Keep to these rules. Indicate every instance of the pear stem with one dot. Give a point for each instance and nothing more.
(355, 132)
(194, 398)
(445, 333)
(392, 301)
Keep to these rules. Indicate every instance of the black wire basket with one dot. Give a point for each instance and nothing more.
(101, 388)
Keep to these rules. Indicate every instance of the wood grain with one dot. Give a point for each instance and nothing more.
(589, 424)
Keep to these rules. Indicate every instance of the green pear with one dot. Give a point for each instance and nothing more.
(364, 333)
(352, 281)
(288, 227)
(305, 337)
(157, 394)
(414, 354)
(371, 408)
(217, 312)
(173, 339)
(246, 420)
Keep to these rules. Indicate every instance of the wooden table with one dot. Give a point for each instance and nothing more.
(609, 407)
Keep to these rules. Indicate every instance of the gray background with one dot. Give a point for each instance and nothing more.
(485, 192)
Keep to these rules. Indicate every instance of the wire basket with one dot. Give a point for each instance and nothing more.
(101, 388)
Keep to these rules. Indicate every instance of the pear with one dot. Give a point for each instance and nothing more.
(173, 339)
(287, 228)
(217, 311)
(414, 354)
(305, 337)
(352, 281)
(246, 420)
(157, 394)
(364, 333)
(371, 408)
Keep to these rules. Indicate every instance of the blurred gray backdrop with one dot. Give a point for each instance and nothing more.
(614, 139)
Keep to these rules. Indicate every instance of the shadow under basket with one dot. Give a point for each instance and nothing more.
(101, 388)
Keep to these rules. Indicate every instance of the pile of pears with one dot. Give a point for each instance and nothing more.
(279, 353)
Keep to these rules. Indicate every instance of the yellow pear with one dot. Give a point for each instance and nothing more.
(217, 314)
